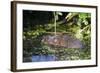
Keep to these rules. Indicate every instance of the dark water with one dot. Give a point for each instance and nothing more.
(40, 58)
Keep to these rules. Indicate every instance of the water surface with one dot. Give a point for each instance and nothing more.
(40, 58)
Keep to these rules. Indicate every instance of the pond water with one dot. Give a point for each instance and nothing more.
(40, 58)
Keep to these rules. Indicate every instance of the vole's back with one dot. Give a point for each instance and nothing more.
(65, 41)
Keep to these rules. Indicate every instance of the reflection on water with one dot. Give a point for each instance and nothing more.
(40, 58)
